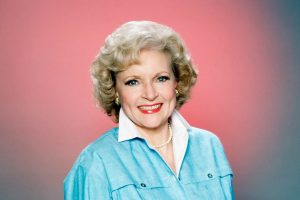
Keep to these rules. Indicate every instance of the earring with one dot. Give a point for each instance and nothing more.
(177, 93)
(117, 101)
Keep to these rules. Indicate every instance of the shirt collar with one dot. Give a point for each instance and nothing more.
(128, 131)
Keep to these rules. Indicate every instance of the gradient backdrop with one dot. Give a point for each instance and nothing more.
(247, 54)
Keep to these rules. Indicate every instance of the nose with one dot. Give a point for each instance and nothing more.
(150, 92)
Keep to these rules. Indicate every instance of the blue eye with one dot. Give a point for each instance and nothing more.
(131, 82)
(163, 78)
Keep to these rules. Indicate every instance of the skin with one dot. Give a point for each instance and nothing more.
(147, 96)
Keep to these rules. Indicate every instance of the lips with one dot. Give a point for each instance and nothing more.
(150, 109)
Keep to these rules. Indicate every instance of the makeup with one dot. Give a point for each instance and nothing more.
(150, 109)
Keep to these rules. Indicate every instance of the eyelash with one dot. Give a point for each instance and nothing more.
(135, 82)
(131, 82)
(163, 78)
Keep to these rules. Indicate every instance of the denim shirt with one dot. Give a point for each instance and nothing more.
(128, 131)
(131, 169)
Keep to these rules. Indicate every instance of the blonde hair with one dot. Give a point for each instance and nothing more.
(121, 50)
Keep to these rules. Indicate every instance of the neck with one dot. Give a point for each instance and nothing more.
(156, 136)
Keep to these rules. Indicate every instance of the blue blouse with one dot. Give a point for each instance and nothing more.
(107, 169)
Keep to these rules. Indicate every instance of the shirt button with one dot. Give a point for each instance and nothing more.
(209, 175)
(143, 184)
(179, 178)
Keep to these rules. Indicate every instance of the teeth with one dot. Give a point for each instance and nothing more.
(150, 107)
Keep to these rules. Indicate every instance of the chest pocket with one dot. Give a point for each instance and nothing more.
(211, 185)
(126, 188)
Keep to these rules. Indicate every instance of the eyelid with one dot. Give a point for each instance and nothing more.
(129, 82)
(164, 77)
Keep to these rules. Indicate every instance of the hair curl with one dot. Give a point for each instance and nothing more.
(121, 50)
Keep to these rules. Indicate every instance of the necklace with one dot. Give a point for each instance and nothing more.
(167, 142)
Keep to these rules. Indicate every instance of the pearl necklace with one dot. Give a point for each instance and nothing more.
(167, 142)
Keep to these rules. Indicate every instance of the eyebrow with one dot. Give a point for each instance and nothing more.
(138, 77)
(131, 77)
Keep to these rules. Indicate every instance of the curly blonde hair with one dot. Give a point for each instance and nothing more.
(121, 50)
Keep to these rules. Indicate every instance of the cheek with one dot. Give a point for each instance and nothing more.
(124, 94)
(127, 98)
(168, 95)
(168, 91)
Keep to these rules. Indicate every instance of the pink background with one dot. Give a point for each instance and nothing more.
(247, 55)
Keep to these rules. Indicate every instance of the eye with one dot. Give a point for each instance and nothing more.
(131, 82)
(163, 78)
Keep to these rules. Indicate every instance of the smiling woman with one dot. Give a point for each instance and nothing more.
(142, 76)
(147, 91)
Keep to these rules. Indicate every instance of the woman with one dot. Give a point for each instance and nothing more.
(141, 77)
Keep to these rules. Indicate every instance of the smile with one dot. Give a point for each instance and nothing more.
(150, 109)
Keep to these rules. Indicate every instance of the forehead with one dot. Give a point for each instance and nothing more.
(150, 61)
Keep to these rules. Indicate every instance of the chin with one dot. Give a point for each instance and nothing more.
(153, 123)
(150, 121)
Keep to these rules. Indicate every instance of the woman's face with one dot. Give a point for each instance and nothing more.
(147, 90)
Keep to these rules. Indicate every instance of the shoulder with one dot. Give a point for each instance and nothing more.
(90, 160)
(108, 139)
(203, 136)
(208, 146)
(99, 146)
(87, 178)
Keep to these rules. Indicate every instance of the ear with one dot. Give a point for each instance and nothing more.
(175, 85)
